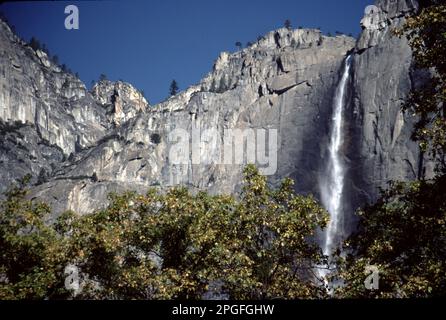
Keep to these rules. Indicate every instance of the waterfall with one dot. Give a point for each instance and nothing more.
(332, 181)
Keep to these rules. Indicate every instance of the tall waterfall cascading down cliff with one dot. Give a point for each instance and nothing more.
(332, 182)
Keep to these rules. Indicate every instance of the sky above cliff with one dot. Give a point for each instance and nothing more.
(149, 43)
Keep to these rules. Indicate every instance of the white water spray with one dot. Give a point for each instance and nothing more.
(332, 183)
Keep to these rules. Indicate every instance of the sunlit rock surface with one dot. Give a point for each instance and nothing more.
(81, 145)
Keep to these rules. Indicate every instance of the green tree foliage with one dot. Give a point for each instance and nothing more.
(35, 44)
(55, 59)
(102, 77)
(33, 255)
(426, 33)
(173, 89)
(404, 235)
(45, 49)
(170, 245)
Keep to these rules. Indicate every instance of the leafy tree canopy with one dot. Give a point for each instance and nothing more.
(167, 245)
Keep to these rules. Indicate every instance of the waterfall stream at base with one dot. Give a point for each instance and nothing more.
(332, 181)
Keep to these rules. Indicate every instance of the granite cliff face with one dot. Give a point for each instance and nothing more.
(120, 100)
(47, 115)
(284, 82)
(381, 148)
(82, 145)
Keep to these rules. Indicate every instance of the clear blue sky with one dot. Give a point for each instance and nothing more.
(148, 43)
